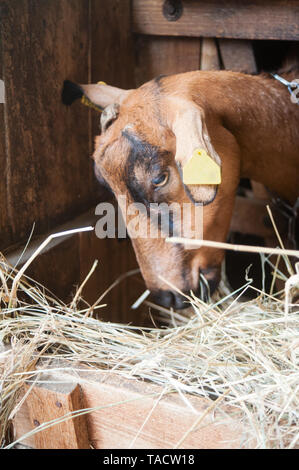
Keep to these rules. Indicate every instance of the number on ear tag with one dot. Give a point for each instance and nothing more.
(201, 169)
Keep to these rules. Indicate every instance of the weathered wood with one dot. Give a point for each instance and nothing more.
(22, 425)
(118, 426)
(115, 260)
(131, 413)
(52, 401)
(112, 56)
(66, 261)
(237, 55)
(58, 266)
(112, 61)
(49, 144)
(278, 19)
(48, 170)
(4, 222)
(209, 55)
(58, 270)
(165, 56)
(49, 176)
(16, 257)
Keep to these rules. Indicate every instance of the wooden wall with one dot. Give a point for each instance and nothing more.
(235, 19)
(47, 175)
(157, 55)
(46, 171)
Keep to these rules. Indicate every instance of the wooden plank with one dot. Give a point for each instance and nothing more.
(66, 261)
(237, 55)
(52, 401)
(209, 55)
(132, 413)
(49, 174)
(16, 256)
(58, 266)
(115, 260)
(165, 56)
(112, 60)
(58, 270)
(112, 47)
(278, 19)
(4, 221)
(22, 424)
(117, 427)
(48, 164)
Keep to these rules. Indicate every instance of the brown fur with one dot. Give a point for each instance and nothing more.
(253, 127)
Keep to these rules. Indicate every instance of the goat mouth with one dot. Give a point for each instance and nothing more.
(177, 301)
(180, 301)
(170, 299)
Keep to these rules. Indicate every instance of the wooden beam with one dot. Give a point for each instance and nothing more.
(129, 411)
(52, 401)
(5, 231)
(165, 56)
(237, 55)
(270, 19)
(112, 57)
(209, 55)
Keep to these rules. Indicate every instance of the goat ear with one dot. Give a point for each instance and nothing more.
(197, 160)
(99, 95)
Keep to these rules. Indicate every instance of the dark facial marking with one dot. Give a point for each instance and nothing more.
(150, 159)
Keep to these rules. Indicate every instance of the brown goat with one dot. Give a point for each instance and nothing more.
(247, 124)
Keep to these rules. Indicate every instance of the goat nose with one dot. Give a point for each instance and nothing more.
(167, 298)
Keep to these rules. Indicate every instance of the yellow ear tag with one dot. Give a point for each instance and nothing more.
(201, 169)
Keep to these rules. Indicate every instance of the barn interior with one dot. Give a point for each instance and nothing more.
(45, 147)
(48, 186)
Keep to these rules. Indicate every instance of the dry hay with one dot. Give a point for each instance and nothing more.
(241, 353)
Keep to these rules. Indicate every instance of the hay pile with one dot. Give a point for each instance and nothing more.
(244, 354)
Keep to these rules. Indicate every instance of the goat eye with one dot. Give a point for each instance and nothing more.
(161, 180)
